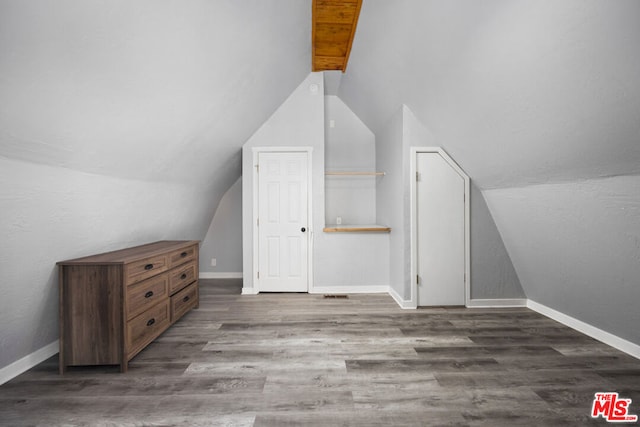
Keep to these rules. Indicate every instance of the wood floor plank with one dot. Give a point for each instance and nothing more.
(300, 359)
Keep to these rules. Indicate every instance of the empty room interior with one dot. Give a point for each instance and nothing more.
(319, 212)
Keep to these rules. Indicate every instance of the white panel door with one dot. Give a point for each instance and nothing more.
(440, 218)
(282, 222)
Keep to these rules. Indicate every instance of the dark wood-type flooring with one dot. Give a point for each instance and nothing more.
(299, 359)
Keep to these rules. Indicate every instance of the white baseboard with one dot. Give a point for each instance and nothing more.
(497, 303)
(221, 275)
(587, 329)
(335, 290)
(404, 304)
(349, 290)
(29, 361)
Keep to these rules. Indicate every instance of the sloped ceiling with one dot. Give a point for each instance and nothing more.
(109, 109)
(519, 92)
(122, 122)
(151, 90)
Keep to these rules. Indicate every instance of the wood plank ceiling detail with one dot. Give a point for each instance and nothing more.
(332, 32)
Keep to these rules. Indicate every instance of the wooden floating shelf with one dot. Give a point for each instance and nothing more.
(356, 229)
(355, 173)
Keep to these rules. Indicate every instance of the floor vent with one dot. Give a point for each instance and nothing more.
(336, 296)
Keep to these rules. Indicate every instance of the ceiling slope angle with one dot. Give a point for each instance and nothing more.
(333, 28)
(156, 92)
(518, 93)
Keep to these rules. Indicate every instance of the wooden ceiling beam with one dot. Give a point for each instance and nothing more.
(328, 63)
(336, 12)
(333, 29)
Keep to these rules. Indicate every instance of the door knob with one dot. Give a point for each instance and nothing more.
(303, 229)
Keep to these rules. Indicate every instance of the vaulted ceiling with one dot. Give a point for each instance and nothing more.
(519, 92)
(122, 122)
(151, 90)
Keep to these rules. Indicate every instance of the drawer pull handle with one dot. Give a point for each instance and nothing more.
(151, 322)
(184, 276)
(148, 267)
(185, 299)
(148, 294)
(183, 254)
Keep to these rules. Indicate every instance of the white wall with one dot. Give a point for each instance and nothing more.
(299, 121)
(50, 214)
(223, 240)
(576, 248)
(493, 275)
(349, 146)
(139, 89)
(414, 134)
(393, 142)
(557, 99)
(390, 198)
(356, 262)
(492, 272)
(121, 123)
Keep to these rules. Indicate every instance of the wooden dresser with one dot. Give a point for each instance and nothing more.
(112, 305)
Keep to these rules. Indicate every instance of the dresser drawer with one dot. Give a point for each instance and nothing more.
(184, 301)
(143, 329)
(145, 268)
(183, 255)
(143, 295)
(181, 276)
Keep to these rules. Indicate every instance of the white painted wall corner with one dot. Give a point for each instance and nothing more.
(404, 304)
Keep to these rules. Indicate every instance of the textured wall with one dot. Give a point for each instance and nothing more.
(492, 273)
(533, 99)
(338, 260)
(349, 146)
(299, 121)
(576, 248)
(389, 198)
(50, 214)
(350, 260)
(122, 123)
(223, 240)
(521, 92)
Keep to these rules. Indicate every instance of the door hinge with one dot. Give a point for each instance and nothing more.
(258, 274)
(258, 222)
(258, 168)
(417, 176)
(417, 279)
